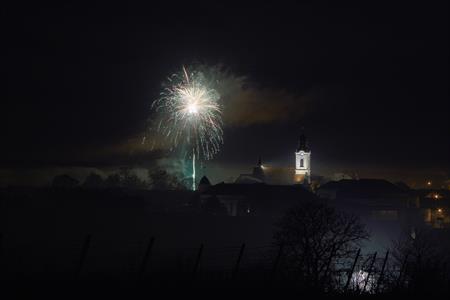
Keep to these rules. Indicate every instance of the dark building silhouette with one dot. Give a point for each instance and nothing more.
(257, 199)
(386, 208)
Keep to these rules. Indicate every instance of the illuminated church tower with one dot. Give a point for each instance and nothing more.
(302, 162)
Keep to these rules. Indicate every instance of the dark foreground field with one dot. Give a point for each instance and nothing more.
(122, 244)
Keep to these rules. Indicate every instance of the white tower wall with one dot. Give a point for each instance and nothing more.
(303, 171)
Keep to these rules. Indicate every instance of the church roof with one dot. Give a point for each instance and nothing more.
(248, 179)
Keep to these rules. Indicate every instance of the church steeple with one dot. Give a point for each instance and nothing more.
(302, 143)
(302, 161)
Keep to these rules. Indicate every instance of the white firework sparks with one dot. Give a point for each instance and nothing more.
(189, 114)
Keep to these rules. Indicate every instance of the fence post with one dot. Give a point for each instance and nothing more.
(146, 257)
(84, 251)
(382, 272)
(2, 266)
(445, 275)
(197, 261)
(276, 262)
(238, 261)
(352, 270)
(402, 269)
(370, 271)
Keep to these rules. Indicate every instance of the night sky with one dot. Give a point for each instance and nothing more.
(368, 83)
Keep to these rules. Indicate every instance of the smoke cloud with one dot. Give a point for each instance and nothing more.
(250, 106)
(245, 103)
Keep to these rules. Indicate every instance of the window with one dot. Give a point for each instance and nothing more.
(301, 163)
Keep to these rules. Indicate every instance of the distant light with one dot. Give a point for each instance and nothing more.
(440, 210)
(363, 281)
(429, 183)
(436, 196)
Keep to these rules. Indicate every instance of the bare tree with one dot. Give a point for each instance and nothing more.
(422, 261)
(162, 180)
(93, 181)
(113, 181)
(64, 181)
(125, 178)
(129, 180)
(315, 237)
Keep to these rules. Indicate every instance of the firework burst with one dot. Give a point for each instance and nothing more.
(189, 114)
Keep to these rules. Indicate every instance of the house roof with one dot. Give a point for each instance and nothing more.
(363, 187)
(204, 181)
(247, 179)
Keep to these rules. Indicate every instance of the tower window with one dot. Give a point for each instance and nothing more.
(301, 163)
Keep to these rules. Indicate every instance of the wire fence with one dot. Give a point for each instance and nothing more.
(144, 260)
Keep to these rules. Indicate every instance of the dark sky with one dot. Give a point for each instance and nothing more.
(80, 81)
